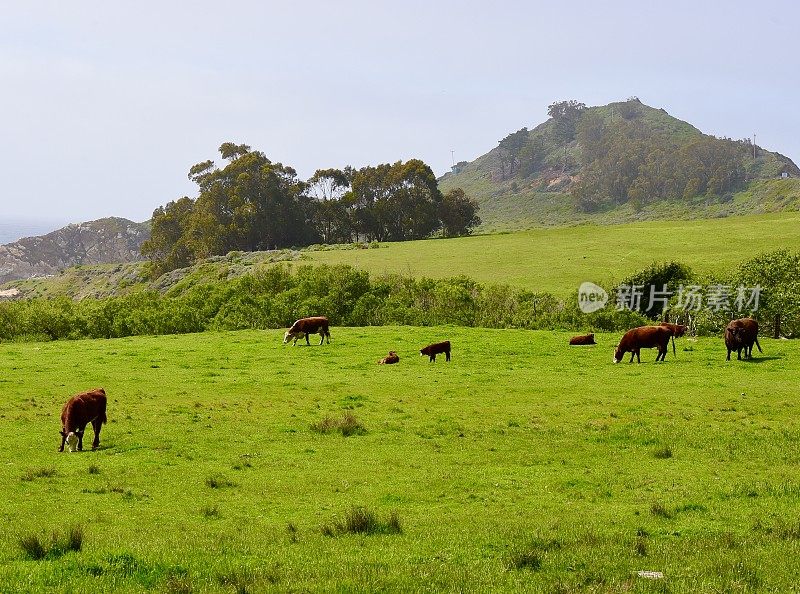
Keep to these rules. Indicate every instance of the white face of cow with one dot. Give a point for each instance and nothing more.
(72, 441)
(287, 337)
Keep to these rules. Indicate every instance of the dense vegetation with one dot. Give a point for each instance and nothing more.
(255, 204)
(273, 297)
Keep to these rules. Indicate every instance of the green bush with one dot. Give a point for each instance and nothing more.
(275, 297)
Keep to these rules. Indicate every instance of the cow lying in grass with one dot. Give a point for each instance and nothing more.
(582, 339)
(389, 359)
(79, 411)
(644, 337)
(306, 326)
(436, 349)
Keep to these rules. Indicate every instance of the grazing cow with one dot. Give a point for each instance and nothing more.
(79, 411)
(436, 349)
(742, 334)
(644, 337)
(582, 339)
(306, 326)
(389, 359)
(677, 330)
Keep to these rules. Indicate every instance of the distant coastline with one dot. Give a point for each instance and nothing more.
(12, 230)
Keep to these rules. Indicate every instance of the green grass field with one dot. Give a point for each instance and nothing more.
(521, 465)
(558, 260)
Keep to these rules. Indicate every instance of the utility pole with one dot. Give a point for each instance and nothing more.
(452, 157)
(754, 146)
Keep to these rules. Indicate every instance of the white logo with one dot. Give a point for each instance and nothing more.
(591, 297)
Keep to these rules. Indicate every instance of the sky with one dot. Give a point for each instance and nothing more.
(106, 105)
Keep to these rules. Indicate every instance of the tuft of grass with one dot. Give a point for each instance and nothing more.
(641, 546)
(94, 469)
(210, 511)
(33, 547)
(37, 548)
(347, 425)
(31, 474)
(524, 559)
(219, 482)
(361, 520)
(787, 531)
(658, 509)
(663, 453)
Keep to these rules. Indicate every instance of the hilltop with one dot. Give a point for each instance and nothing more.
(625, 161)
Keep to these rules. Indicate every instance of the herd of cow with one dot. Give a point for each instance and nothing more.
(740, 335)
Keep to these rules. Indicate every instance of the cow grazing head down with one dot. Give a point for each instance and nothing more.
(290, 335)
(72, 439)
(618, 354)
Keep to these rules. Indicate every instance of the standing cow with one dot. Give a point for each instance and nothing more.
(677, 330)
(742, 334)
(436, 349)
(306, 326)
(644, 337)
(79, 411)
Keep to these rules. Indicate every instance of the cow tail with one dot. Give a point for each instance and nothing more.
(674, 354)
(758, 345)
(103, 417)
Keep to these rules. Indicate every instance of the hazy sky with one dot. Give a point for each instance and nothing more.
(106, 105)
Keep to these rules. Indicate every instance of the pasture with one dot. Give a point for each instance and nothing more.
(522, 465)
(558, 260)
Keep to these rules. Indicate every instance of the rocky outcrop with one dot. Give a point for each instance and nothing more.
(96, 242)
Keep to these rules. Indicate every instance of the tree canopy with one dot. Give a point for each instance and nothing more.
(251, 203)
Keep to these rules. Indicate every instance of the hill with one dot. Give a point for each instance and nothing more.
(555, 260)
(621, 162)
(95, 242)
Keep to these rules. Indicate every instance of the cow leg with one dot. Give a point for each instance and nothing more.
(433, 358)
(307, 343)
(633, 354)
(321, 337)
(63, 440)
(739, 354)
(447, 355)
(638, 358)
(96, 425)
(80, 438)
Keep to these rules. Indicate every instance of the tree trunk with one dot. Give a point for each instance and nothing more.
(777, 326)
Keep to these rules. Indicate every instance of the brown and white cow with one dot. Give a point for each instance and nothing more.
(390, 359)
(306, 326)
(79, 411)
(436, 349)
(742, 334)
(643, 337)
(582, 339)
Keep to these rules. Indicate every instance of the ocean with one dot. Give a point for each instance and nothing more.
(13, 229)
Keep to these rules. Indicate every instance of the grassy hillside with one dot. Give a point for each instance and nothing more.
(507, 468)
(558, 260)
(526, 210)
